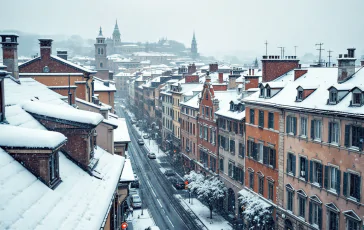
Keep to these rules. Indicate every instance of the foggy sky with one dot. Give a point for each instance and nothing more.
(221, 26)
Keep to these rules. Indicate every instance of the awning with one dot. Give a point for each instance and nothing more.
(127, 175)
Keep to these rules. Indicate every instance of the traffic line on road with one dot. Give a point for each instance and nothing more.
(170, 221)
(159, 203)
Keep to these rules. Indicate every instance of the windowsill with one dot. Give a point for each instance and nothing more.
(332, 191)
(317, 139)
(290, 134)
(314, 225)
(354, 148)
(353, 199)
(316, 184)
(290, 174)
(302, 179)
(303, 136)
(240, 156)
(334, 144)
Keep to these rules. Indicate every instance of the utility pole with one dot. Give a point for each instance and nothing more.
(330, 51)
(295, 49)
(266, 48)
(320, 50)
(282, 51)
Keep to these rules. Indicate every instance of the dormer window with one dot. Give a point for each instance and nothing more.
(232, 107)
(261, 92)
(333, 96)
(357, 98)
(300, 95)
(268, 92)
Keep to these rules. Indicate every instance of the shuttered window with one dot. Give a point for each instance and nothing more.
(291, 125)
(252, 114)
(291, 164)
(271, 120)
(261, 118)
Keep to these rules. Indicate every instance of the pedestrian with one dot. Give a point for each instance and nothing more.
(131, 211)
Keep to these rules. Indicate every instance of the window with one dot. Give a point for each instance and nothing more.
(211, 113)
(207, 111)
(260, 152)
(201, 127)
(205, 133)
(270, 190)
(289, 200)
(251, 148)
(352, 224)
(271, 120)
(203, 110)
(241, 128)
(52, 167)
(229, 125)
(268, 93)
(252, 112)
(271, 157)
(231, 169)
(240, 175)
(303, 130)
(210, 135)
(261, 185)
(300, 95)
(291, 164)
(251, 180)
(213, 164)
(334, 132)
(213, 136)
(316, 129)
(333, 220)
(261, 92)
(291, 125)
(221, 164)
(332, 179)
(232, 147)
(261, 118)
(241, 150)
(303, 168)
(352, 186)
(301, 206)
(101, 65)
(315, 213)
(354, 136)
(357, 98)
(235, 127)
(316, 173)
(207, 96)
(333, 96)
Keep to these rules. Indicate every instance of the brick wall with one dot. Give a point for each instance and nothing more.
(251, 82)
(275, 68)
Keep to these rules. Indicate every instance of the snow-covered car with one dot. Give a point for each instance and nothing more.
(133, 121)
(140, 142)
(136, 202)
(169, 172)
(177, 183)
(152, 156)
(133, 191)
(146, 136)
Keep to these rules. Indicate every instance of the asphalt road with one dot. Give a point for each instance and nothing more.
(155, 190)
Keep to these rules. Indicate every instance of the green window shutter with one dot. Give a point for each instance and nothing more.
(306, 169)
(330, 131)
(265, 154)
(312, 129)
(326, 176)
(347, 135)
(287, 166)
(294, 164)
(310, 213)
(255, 150)
(294, 125)
(358, 188)
(320, 180)
(274, 158)
(287, 124)
(345, 184)
(338, 179)
(320, 218)
(311, 171)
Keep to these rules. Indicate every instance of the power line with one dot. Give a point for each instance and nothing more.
(320, 50)
(282, 51)
(266, 48)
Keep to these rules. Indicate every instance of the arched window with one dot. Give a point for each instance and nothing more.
(101, 64)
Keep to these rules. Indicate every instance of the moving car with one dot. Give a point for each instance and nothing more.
(133, 121)
(140, 142)
(178, 183)
(169, 172)
(146, 136)
(152, 156)
(136, 202)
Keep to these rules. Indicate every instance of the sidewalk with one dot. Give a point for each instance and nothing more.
(203, 213)
(139, 221)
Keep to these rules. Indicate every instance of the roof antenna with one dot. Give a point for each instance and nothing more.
(330, 51)
(320, 49)
(266, 48)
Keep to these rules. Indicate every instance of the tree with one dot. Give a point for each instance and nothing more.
(209, 190)
(256, 212)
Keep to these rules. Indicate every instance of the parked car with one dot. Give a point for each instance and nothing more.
(133, 191)
(169, 172)
(136, 202)
(146, 136)
(153, 228)
(152, 156)
(177, 183)
(135, 183)
(133, 121)
(140, 142)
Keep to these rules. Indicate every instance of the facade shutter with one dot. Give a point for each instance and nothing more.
(330, 131)
(311, 171)
(338, 182)
(274, 158)
(306, 169)
(294, 165)
(242, 150)
(312, 129)
(287, 165)
(248, 153)
(287, 124)
(347, 135)
(265, 154)
(320, 217)
(320, 181)
(358, 188)
(310, 213)
(345, 184)
(255, 150)
(360, 134)
(326, 176)
(294, 125)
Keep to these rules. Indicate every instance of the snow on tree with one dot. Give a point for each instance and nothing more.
(209, 189)
(256, 212)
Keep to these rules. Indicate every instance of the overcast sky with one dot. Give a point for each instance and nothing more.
(222, 26)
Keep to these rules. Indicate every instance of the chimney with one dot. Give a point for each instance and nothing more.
(362, 63)
(232, 80)
(250, 72)
(253, 72)
(213, 67)
(346, 65)
(10, 53)
(62, 54)
(191, 69)
(45, 48)
(221, 78)
(299, 73)
(104, 112)
(273, 67)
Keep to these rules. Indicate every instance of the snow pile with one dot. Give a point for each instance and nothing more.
(12, 136)
(81, 201)
(257, 212)
(121, 133)
(127, 175)
(16, 116)
(63, 112)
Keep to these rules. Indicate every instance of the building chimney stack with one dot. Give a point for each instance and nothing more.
(253, 72)
(346, 65)
(10, 53)
(250, 72)
(274, 67)
(221, 78)
(362, 63)
(45, 48)
(191, 69)
(62, 54)
(213, 67)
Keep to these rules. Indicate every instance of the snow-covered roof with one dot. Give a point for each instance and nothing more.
(99, 85)
(72, 64)
(121, 134)
(127, 175)
(153, 54)
(13, 136)
(225, 97)
(81, 201)
(192, 102)
(63, 112)
(16, 116)
(324, 78)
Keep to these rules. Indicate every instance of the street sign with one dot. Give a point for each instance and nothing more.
(124, 225)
